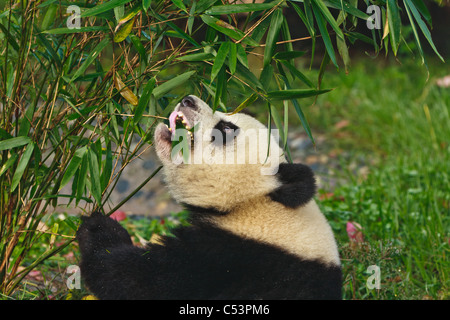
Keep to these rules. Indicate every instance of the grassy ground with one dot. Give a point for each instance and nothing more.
(387, 120)
(390, 122)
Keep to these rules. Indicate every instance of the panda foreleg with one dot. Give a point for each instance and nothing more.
(123, 272)
(99, 232)
(111, 266)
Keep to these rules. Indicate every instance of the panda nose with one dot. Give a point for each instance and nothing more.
(188, 102)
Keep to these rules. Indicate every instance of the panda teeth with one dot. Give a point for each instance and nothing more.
(181, 117)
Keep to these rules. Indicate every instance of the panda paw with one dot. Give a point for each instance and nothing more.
(98, 232)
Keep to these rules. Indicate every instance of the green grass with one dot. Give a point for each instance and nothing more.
(399, 131)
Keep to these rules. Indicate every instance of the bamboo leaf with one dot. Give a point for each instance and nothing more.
(9, 37)
(123, 30)
(167, 86)
(222, 54)
(385, 28)
(309, 15)
(130, 15)
(11, 160)
(325, 36)
(232, 58)
(49, 16)
(352, 36)
(105, 6)
(266, 76)
(54, 232)
(82, 175)
(143, 101)
(94, 172)
(71, 170)
(422, 8)
(395, 24)
(180, 33)
(286, 36)
(14, 143)
(4, 135)
(227, 29)
(320, 6)
(114, 125)
(249, 76)
(303, 120)
(310, 25)
(119, 11)
(195, 57)
(261, 29)
(301, 115)
(343, 51)
(90, 58)
(304, 18)
(203, 5)
(347, 7)
(416, 34)
(241, 55)
(385, 37)
(107, 168)
(272, 35)
(146, 4)
(294, 71)
(48, 46)
(246, 103)
(125, 91)
(238, 8)
(220, 88)
(72, 222)
(285, 124)
(139, 47)
(290, 94)
(21, 166)
(190, 20)
(422, 26)
(180, 4)
(277, 120)
(288, 55)
(322, 69)
(75, 30)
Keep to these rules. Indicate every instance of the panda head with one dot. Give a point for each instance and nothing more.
(226, 160)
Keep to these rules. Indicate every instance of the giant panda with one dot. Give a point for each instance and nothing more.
(255, 231)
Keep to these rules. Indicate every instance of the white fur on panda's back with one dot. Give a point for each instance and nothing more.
(303, 231)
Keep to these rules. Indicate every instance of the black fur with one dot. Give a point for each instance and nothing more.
(298, 185)
(188, 102)
(200, 262)
(227, 136)
(197, 211)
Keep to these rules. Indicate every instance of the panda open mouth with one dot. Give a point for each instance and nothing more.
(177, 120)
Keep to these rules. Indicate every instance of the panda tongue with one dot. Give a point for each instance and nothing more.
(172, 119)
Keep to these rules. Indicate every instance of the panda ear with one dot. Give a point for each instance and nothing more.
(298, 185)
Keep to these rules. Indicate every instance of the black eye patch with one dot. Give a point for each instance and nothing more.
(226, 129)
